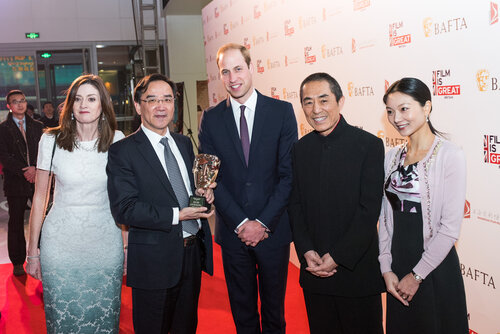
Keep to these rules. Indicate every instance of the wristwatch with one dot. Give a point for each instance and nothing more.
(417, 277)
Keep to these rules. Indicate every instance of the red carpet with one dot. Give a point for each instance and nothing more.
(22, 308)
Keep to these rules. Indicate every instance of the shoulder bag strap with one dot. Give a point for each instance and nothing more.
(49, 183)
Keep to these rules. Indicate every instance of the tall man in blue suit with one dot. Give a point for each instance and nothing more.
(149, 181)
(253, 135)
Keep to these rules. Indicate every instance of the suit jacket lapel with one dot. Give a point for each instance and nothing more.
(259, 123)
(186, 157)
(232, 130)
(149, 156)
(18, 138)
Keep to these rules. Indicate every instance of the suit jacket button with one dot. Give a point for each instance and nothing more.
(180, 234)
(248, 184)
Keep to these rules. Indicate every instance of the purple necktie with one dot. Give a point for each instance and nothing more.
(245, 138)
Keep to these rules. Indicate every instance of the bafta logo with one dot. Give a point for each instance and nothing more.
(205, 170)
(427, 27)
(350, 88)
(482, 77)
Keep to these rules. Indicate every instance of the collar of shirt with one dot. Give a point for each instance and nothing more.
(250, 106)
(159, 149)
(16, 120)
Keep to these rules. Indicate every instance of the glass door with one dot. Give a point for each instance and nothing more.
(56, 72)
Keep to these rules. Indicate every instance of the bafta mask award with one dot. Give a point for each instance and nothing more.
(205, 169)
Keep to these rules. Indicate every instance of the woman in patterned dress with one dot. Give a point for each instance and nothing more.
(81, 253)
(420, 220)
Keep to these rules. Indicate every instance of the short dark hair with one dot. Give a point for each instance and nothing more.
(143, 85)
(47, 102)
(322, 76)
(418, 90)
(30, 107)
(13, 92)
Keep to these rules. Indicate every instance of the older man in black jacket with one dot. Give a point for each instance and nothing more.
(19, 137)
(334, 207)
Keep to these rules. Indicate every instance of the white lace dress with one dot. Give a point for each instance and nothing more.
(81, 249)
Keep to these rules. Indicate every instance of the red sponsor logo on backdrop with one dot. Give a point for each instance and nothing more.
(309, 57)
(216, 12)
(289, 30)
(260, 68)
(214, 98)
(490, 150)
(360, 4)
(493, 13)
(396, 39)
(256, 12)
(386, 85)
(467, 209)
(472, 332)
(226, 29)
(274, 93)
(439, 88)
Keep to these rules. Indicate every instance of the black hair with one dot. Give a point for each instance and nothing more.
(321, 76)
(418, 91)
(143, 85)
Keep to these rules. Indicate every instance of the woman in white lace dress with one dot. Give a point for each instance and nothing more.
(81, 254)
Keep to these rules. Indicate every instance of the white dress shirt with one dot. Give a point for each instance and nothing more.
(250, 105)
(159, 149)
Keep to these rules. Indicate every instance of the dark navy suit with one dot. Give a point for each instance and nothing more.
(259, 191)
(142, 197)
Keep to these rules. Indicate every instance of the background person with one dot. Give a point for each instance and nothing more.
(252, 134)
(49, 118)
(19, 137)
(81, 250)
(420, 220)
(334, 206)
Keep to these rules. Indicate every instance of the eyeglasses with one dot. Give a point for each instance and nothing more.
(18, 101)
(154, 101)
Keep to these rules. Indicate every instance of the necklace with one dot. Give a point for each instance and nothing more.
(78, 144)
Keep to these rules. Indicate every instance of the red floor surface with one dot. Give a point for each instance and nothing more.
(22, 307)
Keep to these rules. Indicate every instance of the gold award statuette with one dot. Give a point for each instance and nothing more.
(205, 170)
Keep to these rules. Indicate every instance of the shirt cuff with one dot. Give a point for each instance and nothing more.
(238, 227)
(175, 218)
(245, 220)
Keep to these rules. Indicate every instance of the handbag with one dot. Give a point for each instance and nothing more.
(48, 199)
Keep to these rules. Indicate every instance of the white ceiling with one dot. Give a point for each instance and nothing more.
(186, 7)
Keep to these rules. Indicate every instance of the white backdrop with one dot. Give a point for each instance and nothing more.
(453, 46)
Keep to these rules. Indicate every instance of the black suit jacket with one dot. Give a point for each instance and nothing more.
(142, 197)
(334, 208)
(261, 190)
(13, 155)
